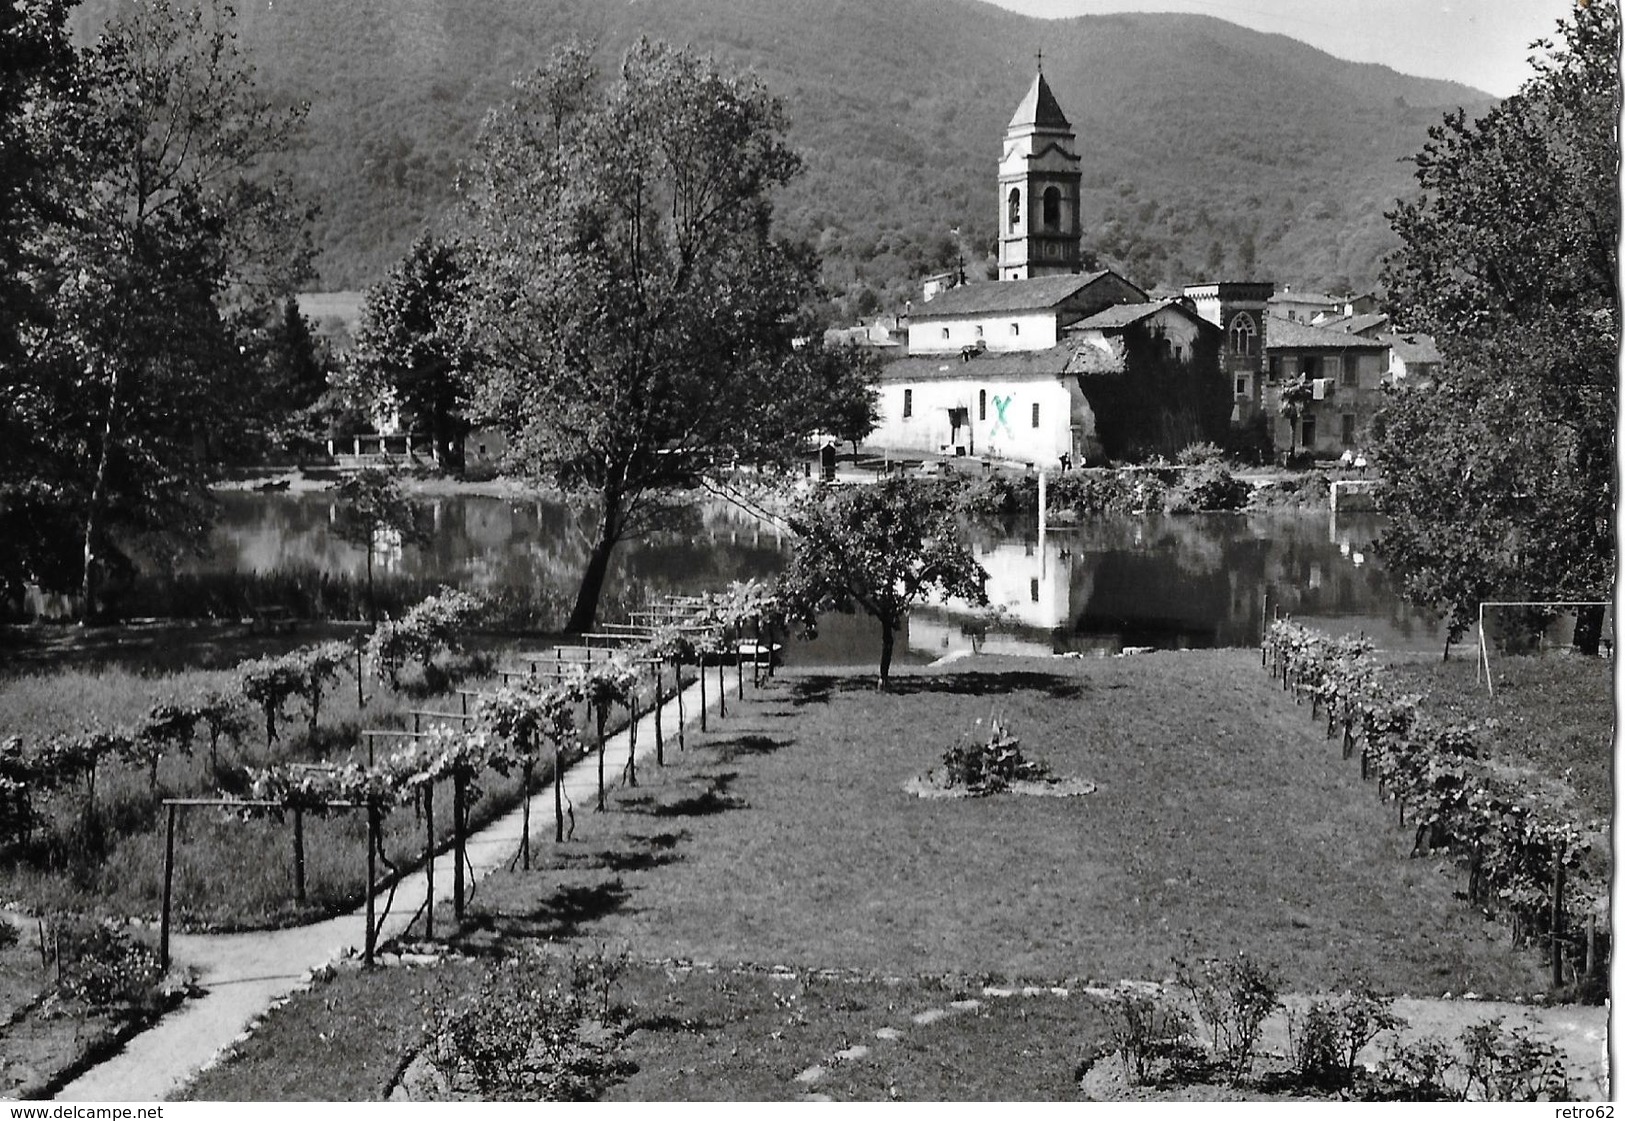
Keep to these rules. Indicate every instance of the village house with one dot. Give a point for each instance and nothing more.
(1303, 307)
(1345, 374)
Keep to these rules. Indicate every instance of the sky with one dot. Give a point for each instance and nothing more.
(1482, 43)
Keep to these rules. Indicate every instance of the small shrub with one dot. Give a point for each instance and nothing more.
(990, 766)
(1326, 1044)
(1507, 1066)
(1418, 1071)
(530, 1035)
(1207, 488)
(102, 966)
(1090, 493)
(1233, 997)
(1195, 455)
(998, 496)
(1151, 1037)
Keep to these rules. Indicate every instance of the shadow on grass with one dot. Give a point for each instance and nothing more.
(818, 690)
(638, 854)
(560, 915)
(667, 1022)
(748, 745)
(712, 798)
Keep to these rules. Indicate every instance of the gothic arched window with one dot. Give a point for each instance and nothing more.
(1052, 208)
(1015, 207)
(1242, 334)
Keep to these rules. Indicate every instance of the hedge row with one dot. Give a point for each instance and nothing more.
(1523, 854)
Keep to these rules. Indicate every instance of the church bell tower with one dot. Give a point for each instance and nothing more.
(1040, 232)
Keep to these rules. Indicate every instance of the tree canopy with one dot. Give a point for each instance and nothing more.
(411, 347)
(1499, 476)
(166, 227)
(878, 548)
(640, 326)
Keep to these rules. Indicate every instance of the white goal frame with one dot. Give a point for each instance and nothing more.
(1483, 666)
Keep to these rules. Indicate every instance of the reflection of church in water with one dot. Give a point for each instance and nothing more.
(1164, 582)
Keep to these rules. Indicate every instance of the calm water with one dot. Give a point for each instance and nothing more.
(1200, 581)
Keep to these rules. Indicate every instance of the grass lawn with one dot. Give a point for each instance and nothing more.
(1222, 822)
(695, 1034)
(1553, 714)
(783, 843)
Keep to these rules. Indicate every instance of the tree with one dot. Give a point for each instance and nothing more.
(373, 508)
(36, 66)
(639, 325)
(173, 225)
(1296, 394)
(878, 547)
(410, 346)
(1499, 478)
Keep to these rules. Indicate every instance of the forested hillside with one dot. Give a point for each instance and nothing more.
(1208, 149)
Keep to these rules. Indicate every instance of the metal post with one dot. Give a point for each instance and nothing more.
(169, 884)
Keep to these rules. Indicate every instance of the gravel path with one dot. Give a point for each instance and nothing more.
(245, 974)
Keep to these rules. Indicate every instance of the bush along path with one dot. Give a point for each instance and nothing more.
(245, 974)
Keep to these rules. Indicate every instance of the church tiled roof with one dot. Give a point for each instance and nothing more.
(1051, 362)
(1035, 294)
(1040, 108)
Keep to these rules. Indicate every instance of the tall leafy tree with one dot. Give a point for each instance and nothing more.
(878, 548)
(1499, 477)
(36, 68)
(638, 323)
(411, 350)
(174, 223)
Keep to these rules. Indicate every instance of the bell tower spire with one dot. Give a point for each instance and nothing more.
(1040, 231)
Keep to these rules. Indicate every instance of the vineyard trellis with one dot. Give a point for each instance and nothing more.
(523, 725)
(1520, 851)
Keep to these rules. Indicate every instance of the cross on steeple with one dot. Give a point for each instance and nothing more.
(1040, 57)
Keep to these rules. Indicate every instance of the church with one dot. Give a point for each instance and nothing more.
(1050, 364)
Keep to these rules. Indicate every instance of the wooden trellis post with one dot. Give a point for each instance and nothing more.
(298, 854)
(459, 798)
(169, 886)
(1557, 917)
(371, 942)
(428, 860)
(660, 707)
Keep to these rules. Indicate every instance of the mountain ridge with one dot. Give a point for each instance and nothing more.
(1209, 149)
